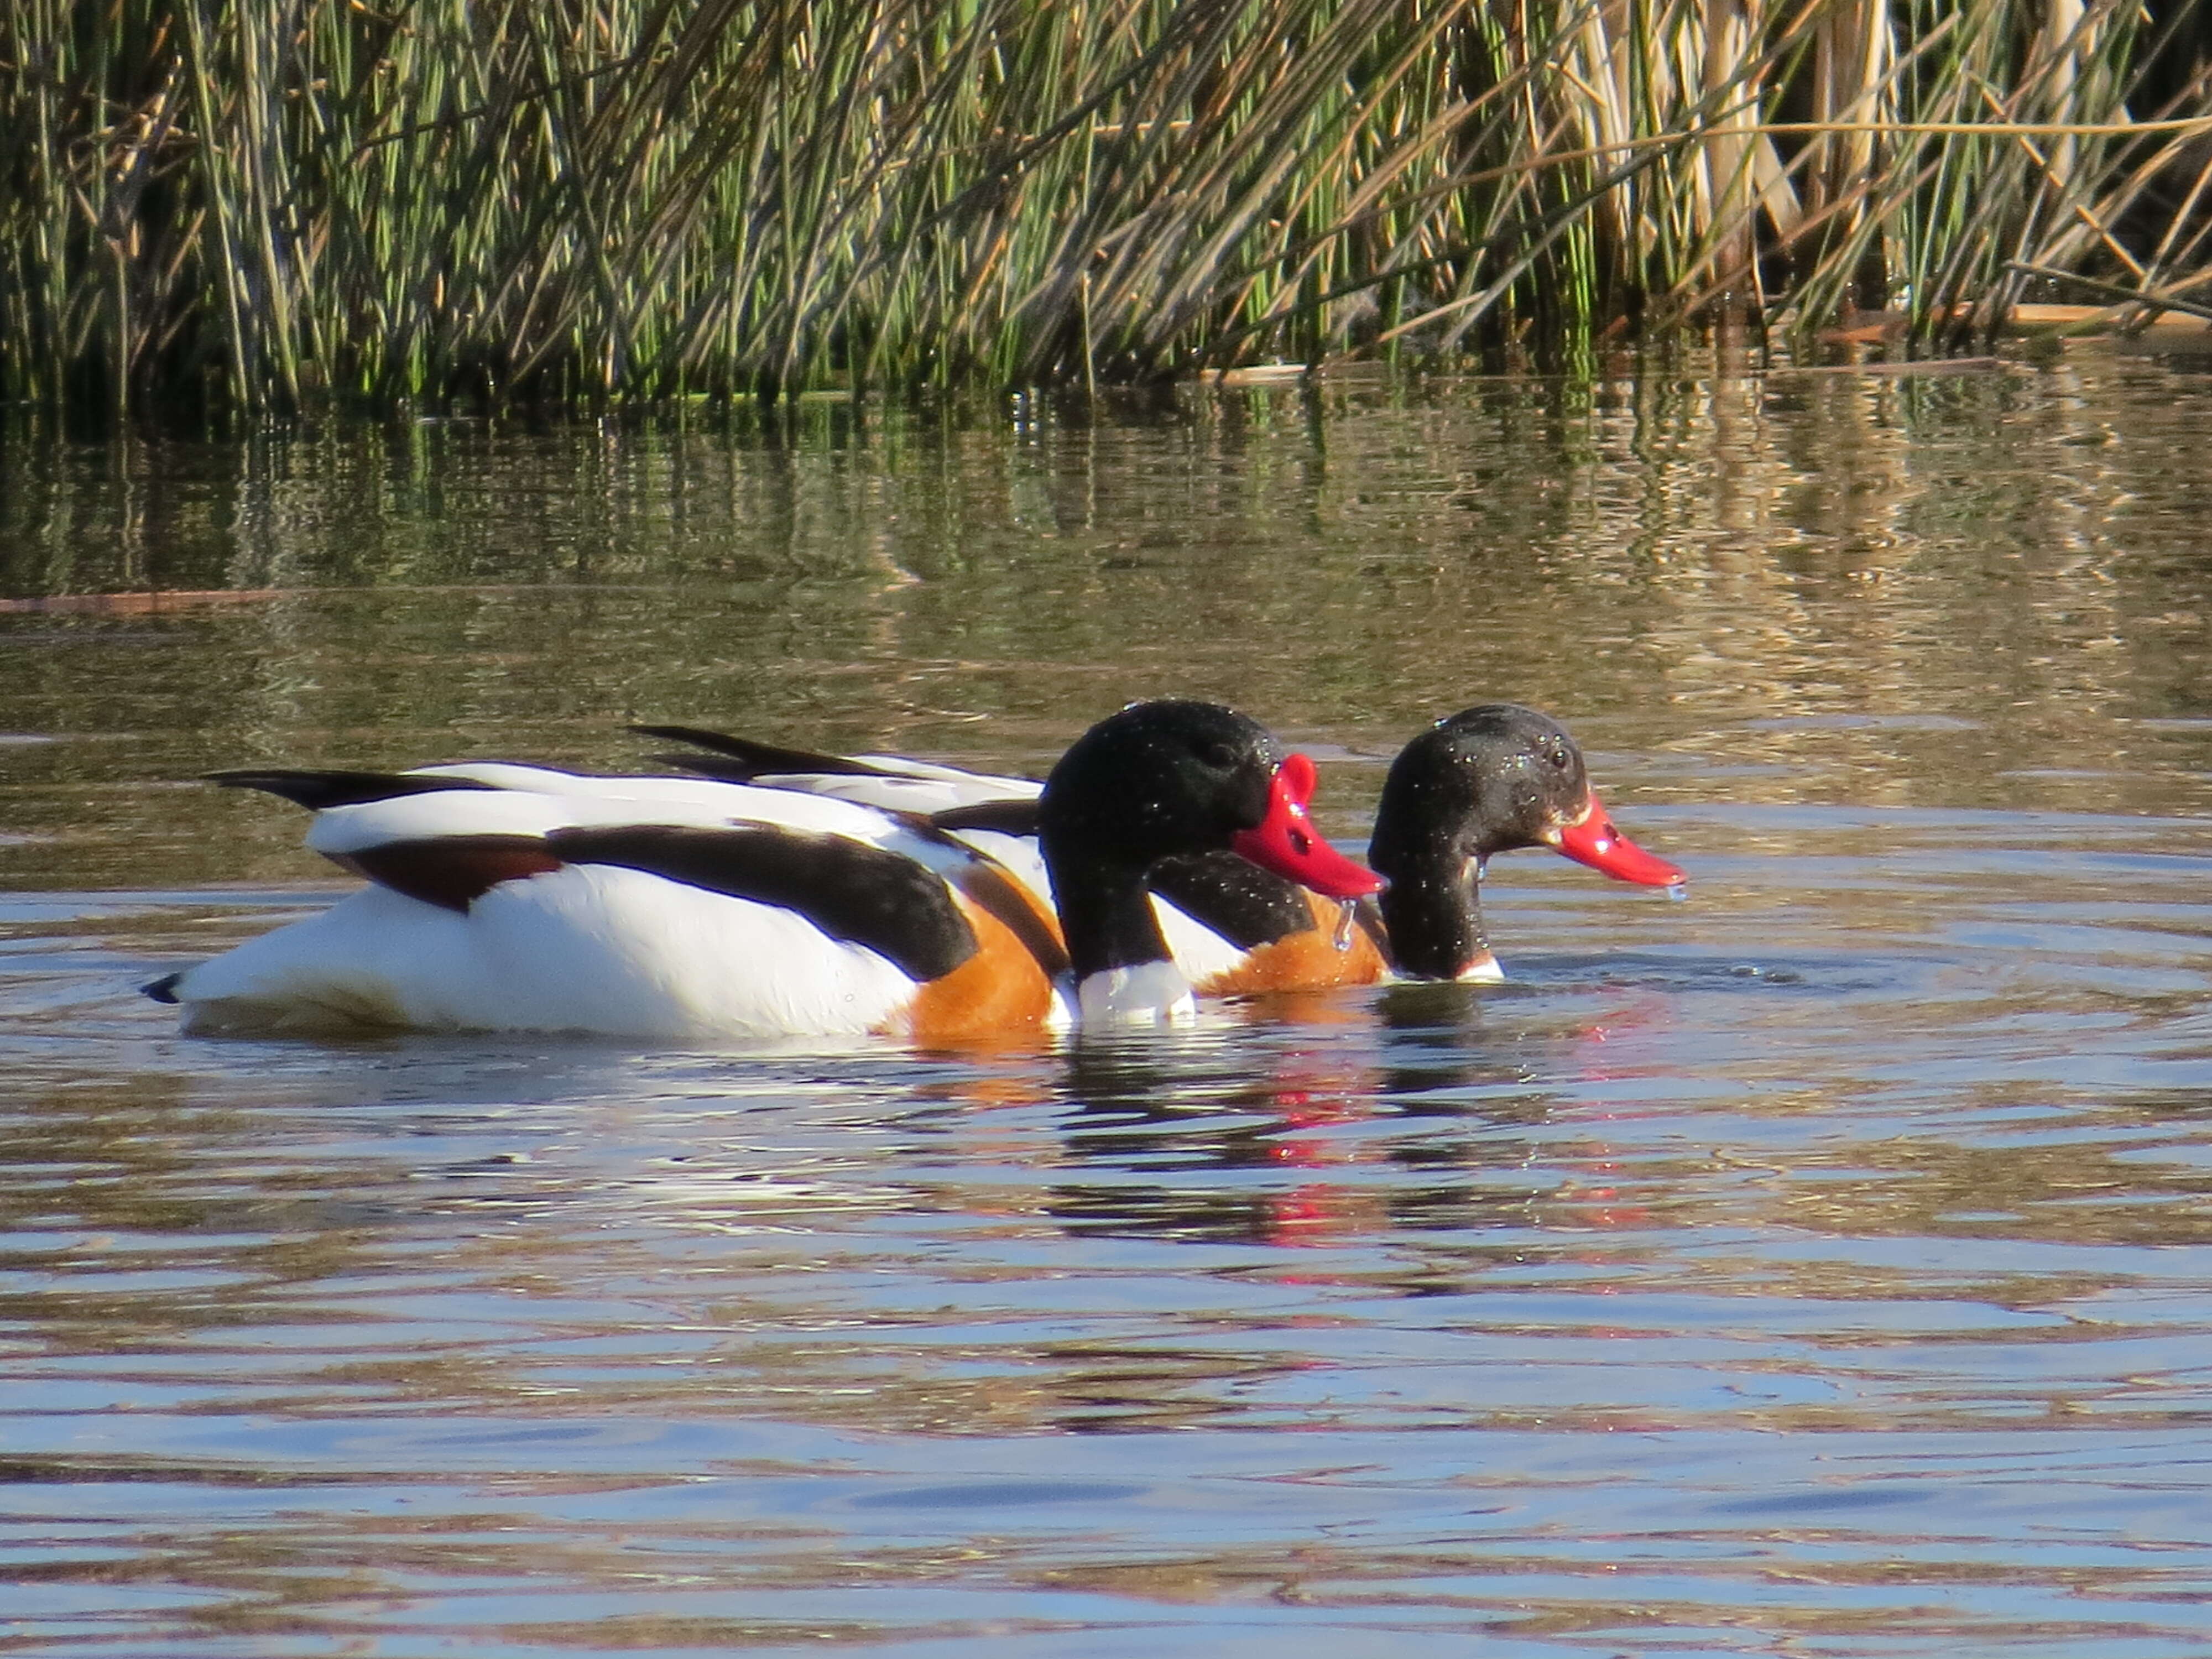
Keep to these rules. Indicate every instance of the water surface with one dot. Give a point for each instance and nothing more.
(1820, 1266)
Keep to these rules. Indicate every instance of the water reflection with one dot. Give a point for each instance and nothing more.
(1820, 1264)
(1666, 560)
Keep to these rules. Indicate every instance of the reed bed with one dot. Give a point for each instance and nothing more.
(281, 203)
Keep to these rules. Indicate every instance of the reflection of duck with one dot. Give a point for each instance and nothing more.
(520, 898)
(1485, 781)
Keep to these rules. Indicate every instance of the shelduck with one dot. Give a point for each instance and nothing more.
(1486, 780)
(522, 898)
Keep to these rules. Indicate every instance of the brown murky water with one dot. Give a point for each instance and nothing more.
(1822, 1266)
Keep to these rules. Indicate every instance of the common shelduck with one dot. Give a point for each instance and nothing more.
(519, 898)
(1486, 780)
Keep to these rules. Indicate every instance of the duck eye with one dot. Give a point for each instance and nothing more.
(1219, 756)
(1558, 758)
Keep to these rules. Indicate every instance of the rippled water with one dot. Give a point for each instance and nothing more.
(1819, 1267)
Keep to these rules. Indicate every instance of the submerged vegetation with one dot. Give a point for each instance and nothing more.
(210, 201)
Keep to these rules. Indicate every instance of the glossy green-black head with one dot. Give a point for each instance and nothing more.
(1488, 779)
(1165, 778)
(1160, 778)
(1181, 776)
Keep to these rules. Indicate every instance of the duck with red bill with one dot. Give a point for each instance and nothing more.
(513, 897)
(1103, 830)
(1486, 780)
(1595, 842)
(1286, 842)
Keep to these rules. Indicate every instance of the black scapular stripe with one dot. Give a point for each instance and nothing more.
(451, 871)
(854, 893)
(740, 760)
(317, 790)
(1012, 816)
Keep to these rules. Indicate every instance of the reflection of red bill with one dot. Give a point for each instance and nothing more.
(1595, 842)
(1319, 1216)
(1601, 1206)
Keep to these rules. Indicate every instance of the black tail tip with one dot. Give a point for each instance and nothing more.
(163, 989)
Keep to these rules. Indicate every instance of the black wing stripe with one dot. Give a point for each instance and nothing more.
(319, 790)
(759, 759)
(721, 767)
(859, 894)
(1012, 816)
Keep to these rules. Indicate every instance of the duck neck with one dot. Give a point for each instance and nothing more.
(1433, 907)
(1118, 957)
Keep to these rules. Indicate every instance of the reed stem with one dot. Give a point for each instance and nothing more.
(275, 204)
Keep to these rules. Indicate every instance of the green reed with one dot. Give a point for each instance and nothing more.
(273, 204)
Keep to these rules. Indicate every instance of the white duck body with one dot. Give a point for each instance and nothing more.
(585, 946)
